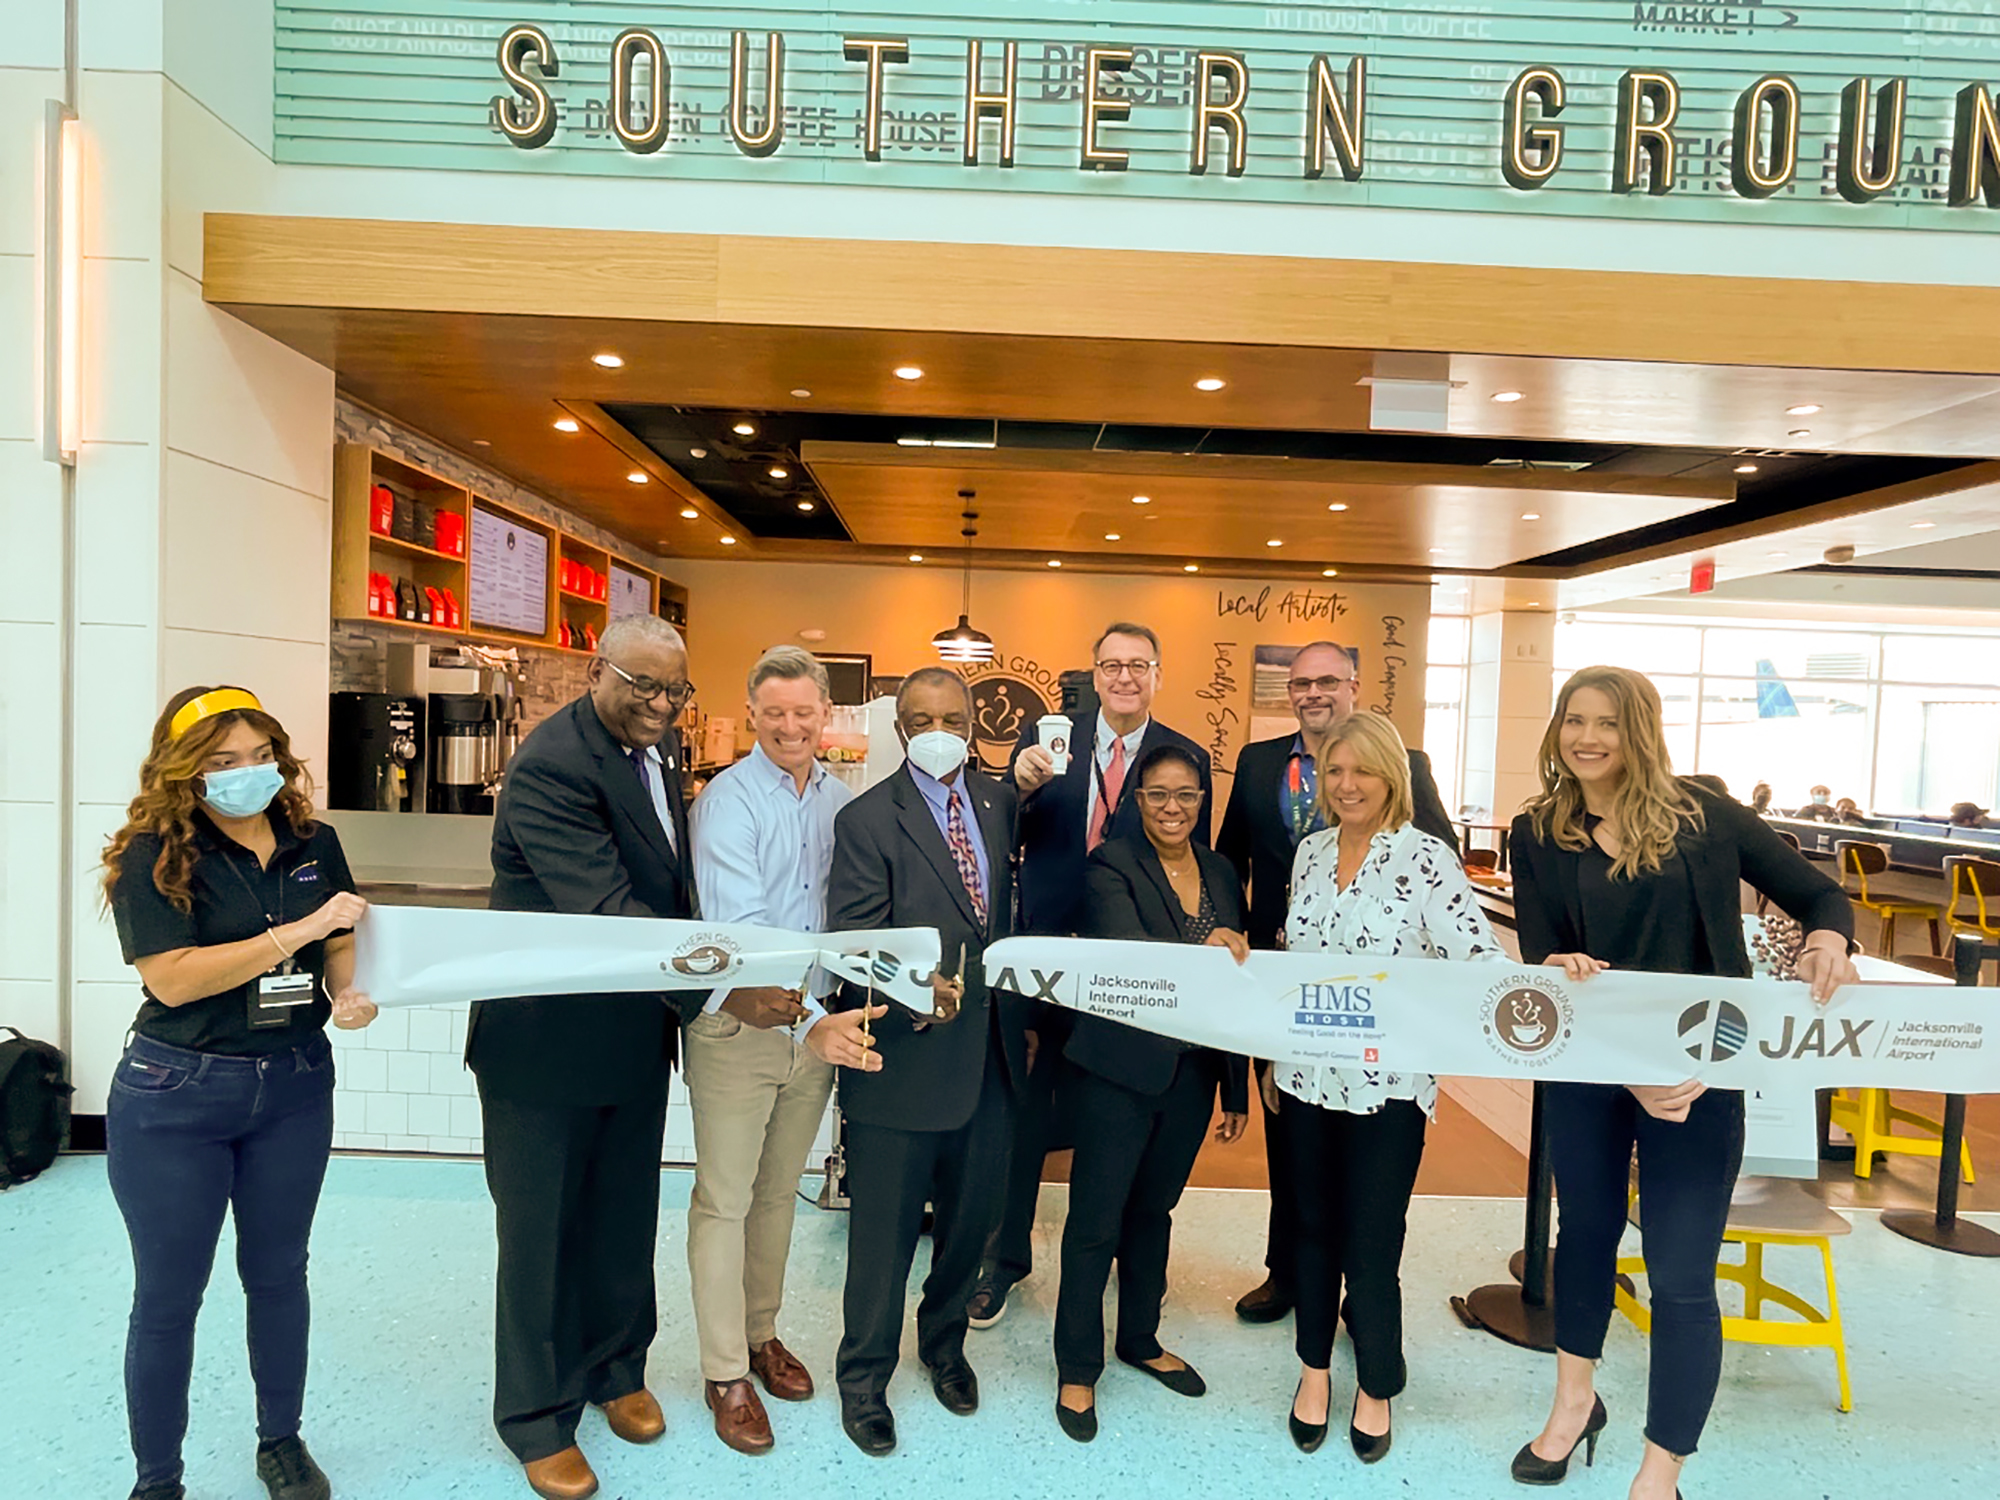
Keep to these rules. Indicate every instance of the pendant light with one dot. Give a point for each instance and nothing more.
(962, 643)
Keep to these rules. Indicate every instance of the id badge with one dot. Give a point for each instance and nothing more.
(277, 995)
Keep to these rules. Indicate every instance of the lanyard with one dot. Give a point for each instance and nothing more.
(251, 891)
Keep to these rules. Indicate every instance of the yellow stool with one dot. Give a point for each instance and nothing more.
(1870, 1117)
(1767, 1211)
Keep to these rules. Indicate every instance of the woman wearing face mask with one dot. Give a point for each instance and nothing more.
(1372, 883)
(1620, 864)
(236, 909)
(1143, 1102)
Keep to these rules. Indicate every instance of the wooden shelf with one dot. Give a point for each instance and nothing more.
(415, 549)
(582, 598)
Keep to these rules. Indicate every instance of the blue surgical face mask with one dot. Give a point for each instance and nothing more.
(242, 791)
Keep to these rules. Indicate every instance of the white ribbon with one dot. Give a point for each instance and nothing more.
(1491, 1020)
(417, 955)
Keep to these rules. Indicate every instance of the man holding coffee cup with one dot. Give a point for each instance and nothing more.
(1069, 807)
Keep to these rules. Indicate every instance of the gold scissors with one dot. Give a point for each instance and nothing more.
(945, 1007)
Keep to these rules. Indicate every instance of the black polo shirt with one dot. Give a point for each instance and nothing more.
(233, 900)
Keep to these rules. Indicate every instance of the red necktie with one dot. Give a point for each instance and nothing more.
(1107, 795)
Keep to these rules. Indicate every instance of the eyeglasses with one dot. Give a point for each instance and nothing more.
(1156, 797)
(649, 688)
(1303, 685)
(1132, 669)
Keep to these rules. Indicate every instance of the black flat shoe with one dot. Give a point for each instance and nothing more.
(1266, 1303)
(870, 1425)
(1306, 1435)
(289, 1473)
(1185, 1381)
(172, 1491)
(1531, 1468)
(1078, 1426)
(1370, 1450)
(956, 1387)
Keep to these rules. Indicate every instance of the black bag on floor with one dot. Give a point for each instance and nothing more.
(34, 1106)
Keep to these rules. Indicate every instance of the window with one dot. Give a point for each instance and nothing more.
(1445, 686)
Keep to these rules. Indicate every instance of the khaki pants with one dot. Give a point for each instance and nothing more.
(757, 1099)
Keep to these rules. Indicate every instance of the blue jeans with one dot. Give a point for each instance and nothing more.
(190, 1135)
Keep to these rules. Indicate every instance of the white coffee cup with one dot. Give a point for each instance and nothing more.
(1053, 730)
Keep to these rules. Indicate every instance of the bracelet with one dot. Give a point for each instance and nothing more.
(272, 934)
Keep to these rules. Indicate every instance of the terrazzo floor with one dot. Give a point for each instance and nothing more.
(398, 1405)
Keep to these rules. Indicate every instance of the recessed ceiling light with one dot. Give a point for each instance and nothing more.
(1336, 506)
(1329, 572)
(1746, 468)
(916, 557)
(728, 540)
(566, 424)
(1275, 542)
(637, 476)
(1210, 383)
(909, 372)
(689, 513)
(1142, 499)
(1191, 567)
(1774, 554)
(1436, 550)
(779, 471)
(1922, 525)
(1800, 432)
(481, 443)
(1055, 562)
(1503, 397)
(608, 361)
(1531, 515)
(1110, 536)
(805, 505)
(697, 453)
(801, 392)
(745, 429)
(1802, 411)
(1534, 604)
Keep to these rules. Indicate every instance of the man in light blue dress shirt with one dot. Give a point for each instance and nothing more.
(759, 1062)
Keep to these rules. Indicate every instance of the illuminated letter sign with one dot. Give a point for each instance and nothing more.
(1329, 117)
(877, 51)
(1225, 114)
(528, 121)
(1098, 107)
(1750, 172)
(646, 138)
(1529, 155)
(1645, 149)
(761, 142)
(978, 106)
(1863, 172)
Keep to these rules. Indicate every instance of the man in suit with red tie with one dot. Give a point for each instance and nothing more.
(926, 848)
(1063, 818)
(1273, 805)
(573, 1088)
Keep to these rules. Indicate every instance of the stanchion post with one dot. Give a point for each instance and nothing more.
(1520, 1314)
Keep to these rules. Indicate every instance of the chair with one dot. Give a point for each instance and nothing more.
(1767, 1211)
(1489, 859)
(1977, 881)
(1862, 860)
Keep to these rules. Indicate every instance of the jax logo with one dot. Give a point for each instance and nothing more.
(882, 967)
(706, 955)
(1346, 1003)
(1527, 1020)
(1713, 1030)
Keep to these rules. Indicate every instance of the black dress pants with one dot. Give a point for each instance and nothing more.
(891, 1174)
(1010, 1255)
(576, 1200)
(1353, 1176)
(1687, 1172)
(1133, 1155)
(1281, 1241)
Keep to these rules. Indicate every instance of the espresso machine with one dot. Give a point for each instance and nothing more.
(375, 752)
(464, 744)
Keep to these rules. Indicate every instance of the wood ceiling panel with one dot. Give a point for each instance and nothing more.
(1217, 509)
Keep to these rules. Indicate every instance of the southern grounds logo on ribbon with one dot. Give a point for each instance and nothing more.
(706, 955)
(1526, 1019)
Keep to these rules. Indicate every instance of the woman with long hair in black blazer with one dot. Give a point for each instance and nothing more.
(1143, 1102)
(1619, 863)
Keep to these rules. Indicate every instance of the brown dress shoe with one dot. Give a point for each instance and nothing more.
(637, 1418)
(783, 1376)
(740, 1420)
(562, 1476)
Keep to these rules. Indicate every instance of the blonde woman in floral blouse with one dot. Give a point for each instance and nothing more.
(1372, 882)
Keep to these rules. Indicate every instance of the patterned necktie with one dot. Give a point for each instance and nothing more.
(964, 856)
(1107, 795)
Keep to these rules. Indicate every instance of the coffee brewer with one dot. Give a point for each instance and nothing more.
(375, 752)
(464, 751)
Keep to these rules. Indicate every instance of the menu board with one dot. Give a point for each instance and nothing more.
(510, 574)
(631, 593)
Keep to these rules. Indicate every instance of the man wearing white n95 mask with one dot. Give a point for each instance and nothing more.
(763, 837)
(927, 847)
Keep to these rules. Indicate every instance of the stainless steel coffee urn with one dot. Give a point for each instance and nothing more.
(464, 748)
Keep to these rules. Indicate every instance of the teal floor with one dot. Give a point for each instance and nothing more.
(399, 1397)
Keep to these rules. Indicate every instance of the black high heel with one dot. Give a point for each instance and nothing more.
(1368, 1449)
(1307, 1435)
(1531, 1468)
